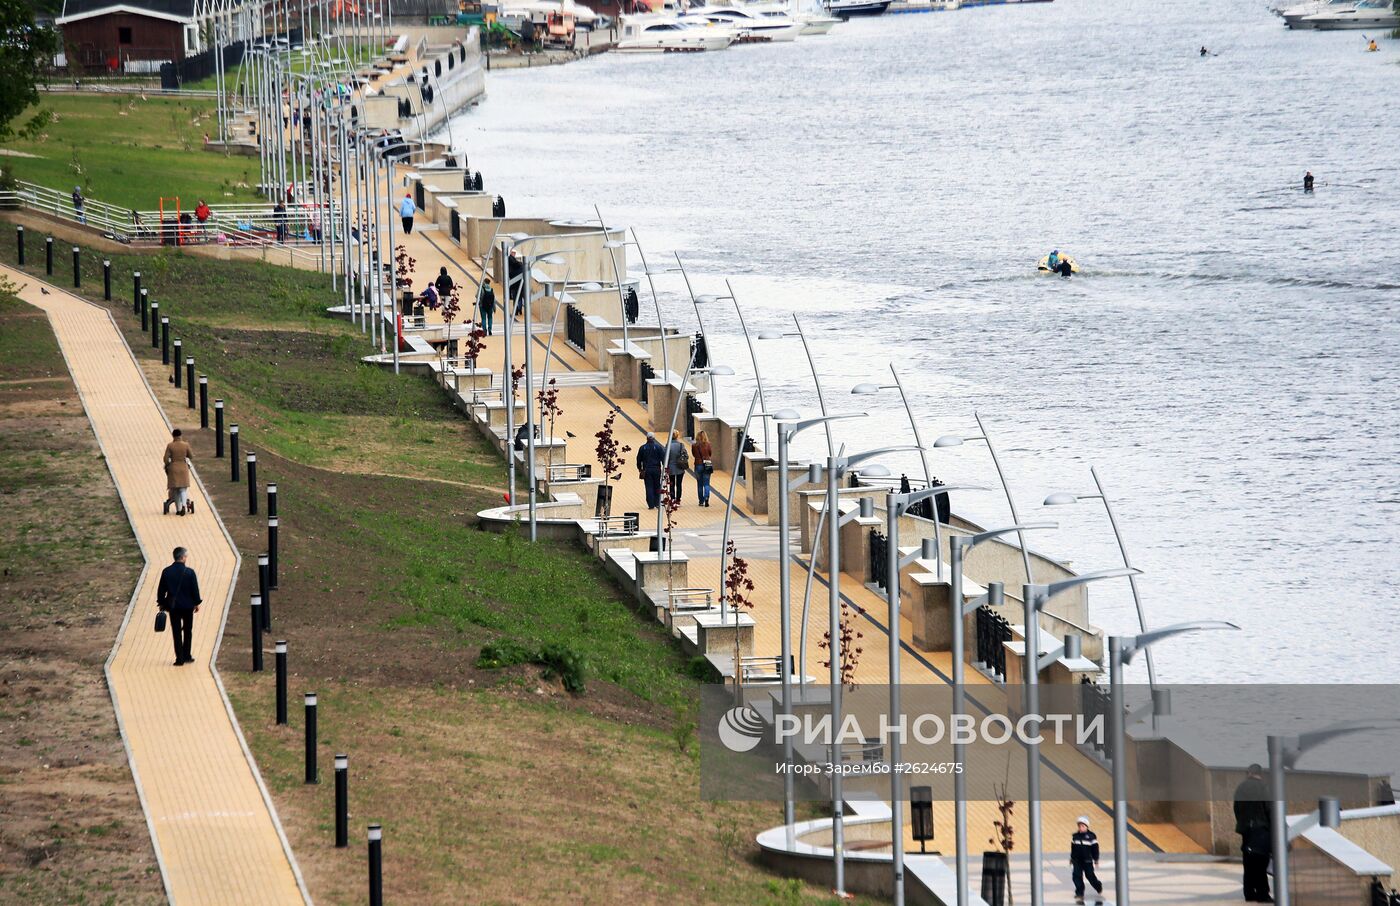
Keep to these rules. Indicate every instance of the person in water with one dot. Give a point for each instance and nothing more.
(1052, 261)
(1373, 46)
(1308, 181)
(1065, 268)
(1204, 52)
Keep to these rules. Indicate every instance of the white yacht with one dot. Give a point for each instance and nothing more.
(814, 21)
(759, 27)
(664, 34)
(1295, 14)
(1374, 14)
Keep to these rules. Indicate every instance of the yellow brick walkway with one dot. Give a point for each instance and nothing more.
(214, 828)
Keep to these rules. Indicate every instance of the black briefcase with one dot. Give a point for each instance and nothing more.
(160, 621)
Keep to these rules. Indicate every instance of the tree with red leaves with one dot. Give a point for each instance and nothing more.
(548, 399)
(850, 651)
(611, 457)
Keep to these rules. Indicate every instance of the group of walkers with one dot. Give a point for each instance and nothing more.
(177, 595)
(673, 461)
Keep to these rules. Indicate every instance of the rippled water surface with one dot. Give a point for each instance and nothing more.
(1227, 359)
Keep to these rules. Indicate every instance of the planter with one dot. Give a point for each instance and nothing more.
(996, 878)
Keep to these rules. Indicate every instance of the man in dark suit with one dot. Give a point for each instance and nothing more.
(1254, 824)
(178, 595)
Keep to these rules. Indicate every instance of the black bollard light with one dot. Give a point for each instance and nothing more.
(218, 429)
(155, 333)
(280, 659)
(272, 552)
(135, 288)
(255, 609)
(106, 280)
(204, 401)
(272, 498)
(164, 336)
(48, 256)
(252, 484)
(263, 589)
(143, 303)
(77, 267)
(376, 865)
(233, 451)
(342, 801)
(175, 365)
(19, 243)
(189, 382)
(311, 738)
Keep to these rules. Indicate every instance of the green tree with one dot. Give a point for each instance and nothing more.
(25, 49)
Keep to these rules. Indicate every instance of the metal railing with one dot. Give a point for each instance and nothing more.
(693, 407)
(570, 471)
(870, 751)
(762, 668)
(110, 219)
(1095, 701)
(574, 326)
(615, 526)
(647, 373)
(993, 632)
(879, 559)
(689, 600)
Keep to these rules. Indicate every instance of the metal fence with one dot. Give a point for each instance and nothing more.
(993, 633)
(879, 559)
(1094, 701)
(647, 373)
(574, 326)
(693, 407)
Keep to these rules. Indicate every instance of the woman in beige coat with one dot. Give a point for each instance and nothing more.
(178, 455)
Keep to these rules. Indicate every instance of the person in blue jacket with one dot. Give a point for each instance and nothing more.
(650, 458)
(406, 210)
(1083, 856)
(1053, 261)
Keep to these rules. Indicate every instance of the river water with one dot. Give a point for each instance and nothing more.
(1227, 359)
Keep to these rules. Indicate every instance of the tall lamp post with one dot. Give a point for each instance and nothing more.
(896, 505)
(788, 428)
(1121, 651)
(959, 546)
(869, 389)
(835, 468)
(1060, 499)
(1284, 752)
(1035, 597)
(954, 440)
(704, 298)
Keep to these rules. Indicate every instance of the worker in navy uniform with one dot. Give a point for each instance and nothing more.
(1083, 856)
(178, 595)
(650, 458)
(1254, 823)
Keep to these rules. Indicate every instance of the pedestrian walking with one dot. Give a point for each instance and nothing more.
(279, 219)
(488, 306)
(1083, 857)
(443, 283)
(677, 461)
(178, 595)
(702, 454)
(178, 455)
(1254, 824)
(516, 280)
(78, 202)
(650, 458)
(406, 210)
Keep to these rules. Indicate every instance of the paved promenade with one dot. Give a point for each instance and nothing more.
(215, 832)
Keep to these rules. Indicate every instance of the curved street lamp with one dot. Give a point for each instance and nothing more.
(955, 440)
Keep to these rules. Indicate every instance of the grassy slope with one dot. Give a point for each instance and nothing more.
(73, 831)
(619, 819)
(131, 152)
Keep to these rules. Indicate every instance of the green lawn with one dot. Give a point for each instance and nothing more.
(129, 151)
(291, 373)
